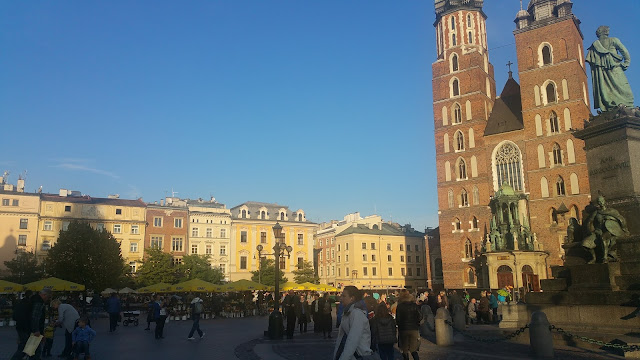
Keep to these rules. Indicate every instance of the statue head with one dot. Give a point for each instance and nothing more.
(601, 203)
(602, 30)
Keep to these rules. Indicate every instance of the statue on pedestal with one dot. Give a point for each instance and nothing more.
(603, 225)
(609, 59)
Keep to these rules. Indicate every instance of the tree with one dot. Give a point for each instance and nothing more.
(157, 267)
(87, 256)
(24, 268)
(198, 267)
(306, 274)
(266, 275)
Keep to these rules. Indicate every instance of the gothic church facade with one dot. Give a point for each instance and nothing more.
(520, 137)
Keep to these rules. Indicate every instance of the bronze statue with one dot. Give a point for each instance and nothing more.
(603, 225)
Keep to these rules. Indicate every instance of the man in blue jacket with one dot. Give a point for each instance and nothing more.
(113, 309)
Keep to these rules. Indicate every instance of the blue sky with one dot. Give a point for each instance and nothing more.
(319, 105)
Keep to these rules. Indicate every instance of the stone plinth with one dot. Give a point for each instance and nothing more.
(594, 276)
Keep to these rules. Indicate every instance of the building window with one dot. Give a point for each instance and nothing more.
(117, 229)
(223, 233)
(408, 258)
(546, 55)
(282, 216)
(48, 225)
(301, 264)
(557, 154)
(364, 271)
(157, 222)
(390, 271)
(457, 224)
(263, 237)
(389, 258)
(455, 87)
(454, 62)
(401, 258)
(118, 211)
(346, 258)
(208, 249)
(243, 236)
(453, 23)
(464, 198)
(554, 125)
(364, 257)
(243, 262)
(454, 42)
(5, 202)
(373, 271)
(409, 271)
(176, 244)
(560, 186)
(22, 240)
(417, 247)
(133, 247)
(470, 37)
(223, 268)
(417, 259)
(408, 247)
(67, 208)
(194, 248)
(507, 162)
(468, 250)
(244, 214)
(553, 214)
(364, 246)
(468, 20)
(135, 229)
(338, 257)
(373, 246)
(24, 223)
(417, 271)
(194, 232)
(177, 223)
(474, 223)
(263, 215)
(156, 242)
(462, 169)
(283, 263)
(450, 198)
(476, 195)
(373, 257)
(388, 247)
(15, 202)
(401, 247)
(300, 239)
(346, 246)
(551, 93)
(403, 272)
(223, 250)
(209, 232)
(459, 141)
(132, 267)
(338, 271)
(46, 245)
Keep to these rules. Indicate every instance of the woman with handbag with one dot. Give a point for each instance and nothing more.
(354, 335)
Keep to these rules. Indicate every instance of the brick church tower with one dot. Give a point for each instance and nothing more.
(519, 137)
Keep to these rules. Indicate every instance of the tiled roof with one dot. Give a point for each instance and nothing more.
(386, 229)
(507, 111)
(86, 199)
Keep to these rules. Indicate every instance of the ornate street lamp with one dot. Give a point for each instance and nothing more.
(280, 249)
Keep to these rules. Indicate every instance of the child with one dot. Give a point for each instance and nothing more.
(81, 337)
(48, 338)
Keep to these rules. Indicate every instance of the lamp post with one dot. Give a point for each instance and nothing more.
(276, 326)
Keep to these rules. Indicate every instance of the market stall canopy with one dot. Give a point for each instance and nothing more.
(54, 284)
(194, 285)
(244, 285)
(127, 291)
(220, 288)
(159, 287)
(289, 285)
(9, 287)
(308, 286)
(108, 291)
(325, 287)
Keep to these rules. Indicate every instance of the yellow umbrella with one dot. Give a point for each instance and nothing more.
(196, 285)
(244, 285)
(9, 287)
(54, 284)
(325, 287)
(290, 285)
(308, 286)
(220, 288)
(159, 287)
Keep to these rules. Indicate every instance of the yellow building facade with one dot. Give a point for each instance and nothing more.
(252, 225)
(18, 221)
(125, 219)
(210, 233)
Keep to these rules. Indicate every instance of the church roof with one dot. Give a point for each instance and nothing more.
(507, 111)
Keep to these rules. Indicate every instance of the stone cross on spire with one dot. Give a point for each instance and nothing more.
(510, 72)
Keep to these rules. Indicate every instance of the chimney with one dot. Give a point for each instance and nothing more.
(64, 192)
(161, 202)
(21, 185)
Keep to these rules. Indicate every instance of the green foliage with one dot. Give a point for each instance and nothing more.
(157, 267)
(87, 256)
(198, 267)
(268, 276)
(24, 268)
(306, 274)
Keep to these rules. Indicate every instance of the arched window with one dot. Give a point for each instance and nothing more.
(476, 195)
(503, 269)
(453, 23)
(464, 198)
(457, 225)
(508, 160)
(454, 62)
(468, 249)
(471, 276)
(450, 196)
(244, 214)
(560, 191)
(469, 20)
(574, 212)
(462, 169)
(551, 92)
(474, 223)
(557, 154)
(553, 215)
(554, 126)
(459, 141)
(455, 88)
(282, 216)
(546, 55)
(470, 37)
(263, 215)
(453, 40)
(299, 217)
(544, 187)
(457, 112)
(526, 269)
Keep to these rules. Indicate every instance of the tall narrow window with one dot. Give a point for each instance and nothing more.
(459, 141)
(476, 195)
(546, 55)
(560, 191)
(554, 126)
(468, 250)
(507, 162)
(551, 93)
(557, 154)
(462, 169)
(453, 23)
(454, 62)
(474, 223)
(453, 40)
(450, 196)
(470, 37)
(464, 198)
(455, 88)
(457, 225)
(457, 112)
(468, 20)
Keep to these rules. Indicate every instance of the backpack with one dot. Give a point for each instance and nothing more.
(197, 308)
(326, 308)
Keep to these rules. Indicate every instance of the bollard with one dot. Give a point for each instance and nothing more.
(459, 319)
(444, 332)
(540, 335)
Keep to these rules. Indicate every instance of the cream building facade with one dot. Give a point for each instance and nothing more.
(210, 232)
(18, 221)
(252, 225)
(125, 219)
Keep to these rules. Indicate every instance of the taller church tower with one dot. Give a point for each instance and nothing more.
(463, 97)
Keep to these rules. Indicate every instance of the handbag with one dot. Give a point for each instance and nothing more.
(32, 344)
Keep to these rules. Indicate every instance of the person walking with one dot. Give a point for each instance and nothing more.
(315, 313)
(113, 309)
(36, 315)
(383, 332)
(289, 306)
(196, 310)
(408, 318)
(22, 317)
(302, 313)
(354, 334)
(67, 318)
(325, 315)
(150, 313)
(161, 317)
(493, 304)
(483, 308)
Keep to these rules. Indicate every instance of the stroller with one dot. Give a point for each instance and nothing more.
(131, 317)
